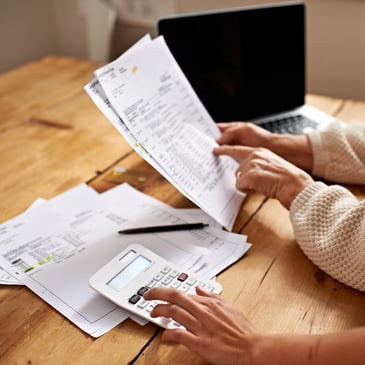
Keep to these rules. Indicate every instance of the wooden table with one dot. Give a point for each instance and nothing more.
(52, 138)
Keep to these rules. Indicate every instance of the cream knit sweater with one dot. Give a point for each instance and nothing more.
(328, 221)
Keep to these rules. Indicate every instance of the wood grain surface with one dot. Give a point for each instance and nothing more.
(52, 138)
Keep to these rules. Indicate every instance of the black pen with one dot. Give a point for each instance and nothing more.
(173, 227)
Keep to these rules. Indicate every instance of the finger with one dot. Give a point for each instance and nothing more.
(232, 135)
(176, 335)
(165, 294)
(203, 293)
(178, 314)
(237, 152)
(154, 293)
(223, 126)
(174, 296)
(188, 310)
(182, 337)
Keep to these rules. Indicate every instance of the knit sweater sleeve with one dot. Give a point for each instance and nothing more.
(329, 224)
(339, 152)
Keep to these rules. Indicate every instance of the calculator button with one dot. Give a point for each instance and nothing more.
(165, 270)
(150, 307)
(175, 284)
(216, 291)
(174, 273)
(152, 283)
(134, 299)
(158, 276)
(182, 277)
(190, 281)
(142, 290)
(178, 325)
(167, 280)
(208, 287)
(184, 288)
(143, 303)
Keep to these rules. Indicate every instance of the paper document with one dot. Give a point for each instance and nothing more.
(58, 245)
(148, 99)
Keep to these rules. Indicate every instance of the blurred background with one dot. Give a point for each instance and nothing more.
(100, 30)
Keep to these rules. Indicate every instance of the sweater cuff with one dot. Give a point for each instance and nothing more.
(320, 157)
(303, 197)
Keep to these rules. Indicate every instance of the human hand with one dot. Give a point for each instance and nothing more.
(222, 335)
(263, 171)
(215, 330)
(293, 148)
(243, 133)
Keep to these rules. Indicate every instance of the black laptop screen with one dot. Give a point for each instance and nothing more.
(242, 63)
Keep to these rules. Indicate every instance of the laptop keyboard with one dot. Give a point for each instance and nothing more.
(290, 125)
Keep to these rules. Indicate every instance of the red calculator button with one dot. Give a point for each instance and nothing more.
(182, 277)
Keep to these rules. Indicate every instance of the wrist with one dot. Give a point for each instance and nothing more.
(266, 351)
(295, 187)
(282, 350)
(293, 148)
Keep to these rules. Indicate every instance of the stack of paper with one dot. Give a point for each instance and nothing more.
(57, 245)
(146, 96)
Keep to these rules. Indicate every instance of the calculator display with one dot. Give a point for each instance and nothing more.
(139, 264)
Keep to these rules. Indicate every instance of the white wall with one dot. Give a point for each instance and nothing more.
(31, 29)
(70, 27)
(336, 47)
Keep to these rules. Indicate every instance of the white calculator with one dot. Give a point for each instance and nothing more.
(134, 271)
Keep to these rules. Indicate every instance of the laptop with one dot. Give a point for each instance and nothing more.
(247, 64)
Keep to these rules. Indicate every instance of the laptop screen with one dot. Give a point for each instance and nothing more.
(242, 63)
